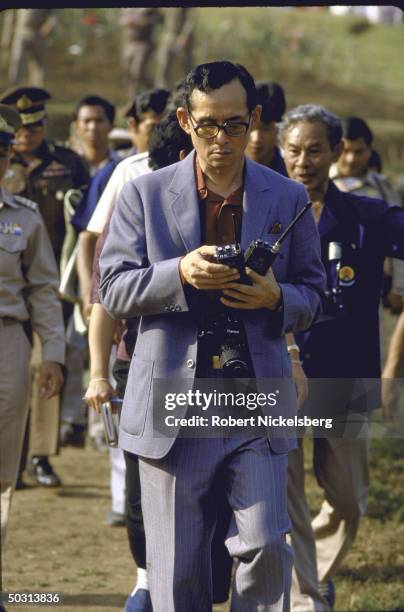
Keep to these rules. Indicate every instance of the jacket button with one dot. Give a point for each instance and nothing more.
(190, 363)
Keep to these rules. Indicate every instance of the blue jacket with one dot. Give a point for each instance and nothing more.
(369, 230)
(156, 222)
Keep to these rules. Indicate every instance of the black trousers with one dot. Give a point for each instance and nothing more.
(221, 560)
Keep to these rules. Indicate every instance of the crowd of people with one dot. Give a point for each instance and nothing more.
(111, 252)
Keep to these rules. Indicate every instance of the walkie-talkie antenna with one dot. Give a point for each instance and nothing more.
(277, 245)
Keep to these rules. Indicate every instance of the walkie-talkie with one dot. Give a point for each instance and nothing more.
(261, 255)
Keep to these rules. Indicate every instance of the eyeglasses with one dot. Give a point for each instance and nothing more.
(210, 130)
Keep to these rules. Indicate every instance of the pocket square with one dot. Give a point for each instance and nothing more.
(276, 228)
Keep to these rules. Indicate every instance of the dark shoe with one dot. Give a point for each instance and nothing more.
(116, 519)
(72, 434)
(42, 472)
(139, 602)
(327, 590)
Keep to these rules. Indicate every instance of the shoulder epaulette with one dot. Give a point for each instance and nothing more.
(27, 203)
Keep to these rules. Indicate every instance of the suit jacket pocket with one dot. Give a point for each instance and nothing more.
(137, 397)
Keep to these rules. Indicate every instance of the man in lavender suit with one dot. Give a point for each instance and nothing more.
(160, 252)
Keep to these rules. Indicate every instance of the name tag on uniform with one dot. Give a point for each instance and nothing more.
(13, 229)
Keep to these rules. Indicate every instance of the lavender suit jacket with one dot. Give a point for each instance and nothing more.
(156, 221)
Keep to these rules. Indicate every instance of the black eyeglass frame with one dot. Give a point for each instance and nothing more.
(219, 127)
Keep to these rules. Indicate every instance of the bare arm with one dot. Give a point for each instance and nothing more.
(395, 359)
(85, 256)
(298, 375)
(100, 338)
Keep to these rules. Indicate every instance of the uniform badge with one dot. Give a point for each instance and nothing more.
(346, 276)
(15, 179)
(12, 229)
(276, 228)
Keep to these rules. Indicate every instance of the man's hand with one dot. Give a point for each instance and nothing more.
(50, 379)
(264, 293)
(99, 392)
(199, 270)
(301, 383)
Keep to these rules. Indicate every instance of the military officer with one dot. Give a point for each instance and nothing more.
(43, 172)
(28, 301)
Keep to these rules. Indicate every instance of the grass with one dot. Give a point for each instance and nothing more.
(344, 62)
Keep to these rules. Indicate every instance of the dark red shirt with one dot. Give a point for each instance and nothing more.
(221, 216)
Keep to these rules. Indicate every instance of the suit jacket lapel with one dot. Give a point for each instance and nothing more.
(328, 220)
(185, 204)
(258, 205)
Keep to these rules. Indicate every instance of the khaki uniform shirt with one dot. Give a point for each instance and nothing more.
(372, 185)
(28, 274)
(54, 171)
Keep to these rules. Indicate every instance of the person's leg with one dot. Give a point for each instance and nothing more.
(342, 469)
(179, 516)
(256, 488)
(73, 408)
(137, 75)
(15, 353)
(19, 51)
(44, 426)
(222, 562)
(305, 596)
(37, 67)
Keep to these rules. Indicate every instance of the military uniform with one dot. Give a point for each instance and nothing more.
(28, 294)
(178, 24)
(46, 179)
(53, 173)
(137, 45)
(342, 347)
(29, 45)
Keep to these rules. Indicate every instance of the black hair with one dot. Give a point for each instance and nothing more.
(166, 142)
(214, 75)
(355, 127)
(375, 161)
(176, 98)
(313, 113)
(96, 101)
(271, 96)
(149, 100)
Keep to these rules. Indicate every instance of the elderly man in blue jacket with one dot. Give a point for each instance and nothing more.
(356, 234)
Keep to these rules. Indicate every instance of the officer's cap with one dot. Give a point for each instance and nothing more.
(10, 122)
(29, 101)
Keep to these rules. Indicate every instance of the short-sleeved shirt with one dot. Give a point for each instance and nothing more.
(127, 169)
(28, 274)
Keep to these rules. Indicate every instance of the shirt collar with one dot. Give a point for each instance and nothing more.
(203, 190)
(7, 198)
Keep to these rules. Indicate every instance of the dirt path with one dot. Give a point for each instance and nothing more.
(57, 539)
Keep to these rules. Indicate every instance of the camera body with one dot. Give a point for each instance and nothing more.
(226, 330)
(334, 304)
